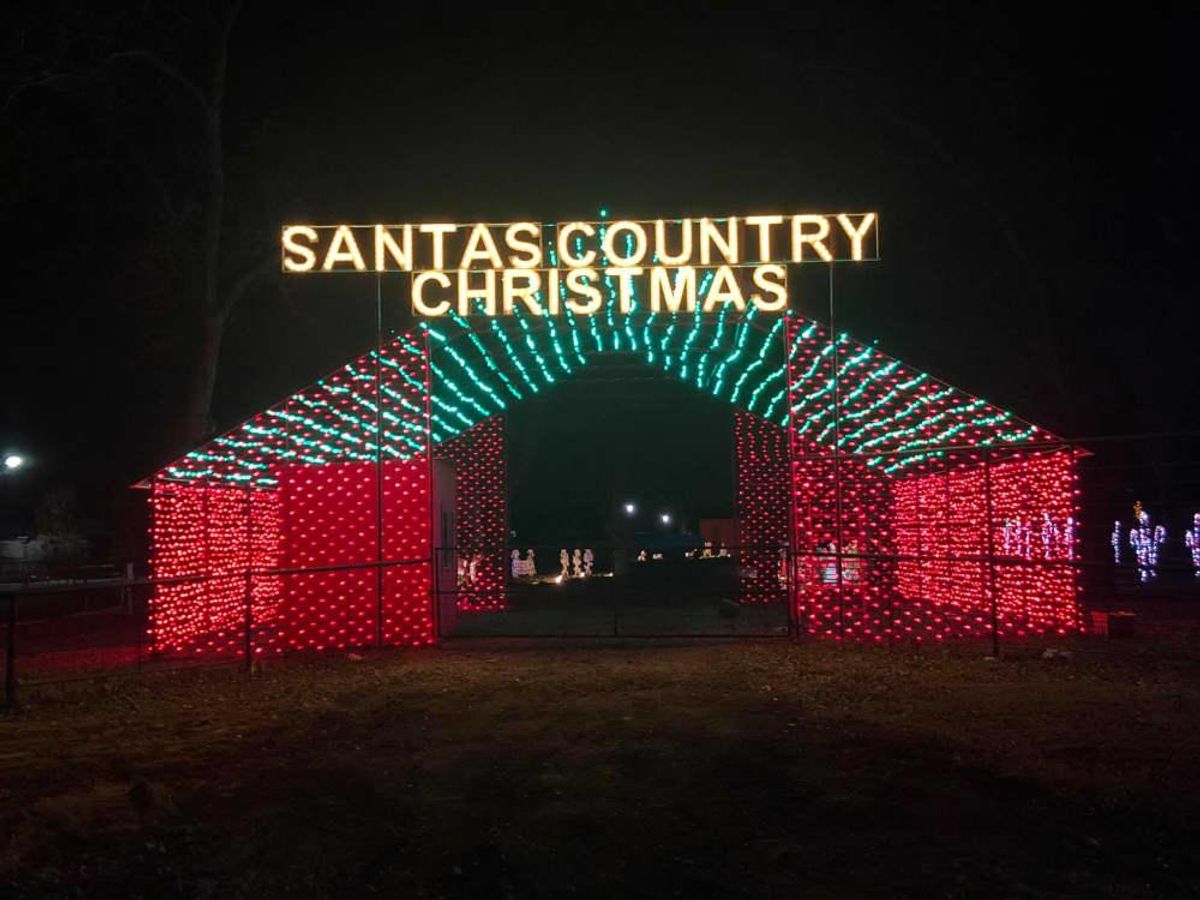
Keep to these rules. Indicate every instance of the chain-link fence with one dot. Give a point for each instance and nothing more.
(997, 544)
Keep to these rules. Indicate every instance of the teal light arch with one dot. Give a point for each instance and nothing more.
(884, 407)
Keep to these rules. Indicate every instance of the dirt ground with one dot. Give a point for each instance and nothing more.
(765, 769)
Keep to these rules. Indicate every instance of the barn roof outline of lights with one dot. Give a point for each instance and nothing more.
(888, 412)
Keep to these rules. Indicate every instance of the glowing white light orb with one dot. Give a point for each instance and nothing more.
(13, 461)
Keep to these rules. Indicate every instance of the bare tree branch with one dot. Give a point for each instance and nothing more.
(108, 70)
(165, 68)
(240, 283)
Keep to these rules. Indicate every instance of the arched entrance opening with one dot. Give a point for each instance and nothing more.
(622, 516)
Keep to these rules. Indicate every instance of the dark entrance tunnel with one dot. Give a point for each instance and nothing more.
(618, 431)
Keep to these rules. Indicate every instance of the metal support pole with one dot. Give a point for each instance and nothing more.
(141, 632)
(434, 599)
(439, 557)
(249, 627)
(379, 580)
(1071, 548)
(795, 612)
(991, 549)
(837, 471)
(127, 592)
(10, 657)
(248, 623)
(737, 518)
(616, 631)
(790, 545)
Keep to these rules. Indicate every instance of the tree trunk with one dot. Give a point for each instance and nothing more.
(197, 419)
(195, 422)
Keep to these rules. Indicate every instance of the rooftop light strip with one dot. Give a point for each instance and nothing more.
(907, 411)
(556, 344)
(647, 340)
(894, 394)
(522, 321)
(889, 396)
(846, 369)
(697, 319)
(767, 343)
(467, 369)
(813, 393)
(741, 333)
(459, 393)
(484, 354)
(573, 328)
(716, 342)
(512, 354)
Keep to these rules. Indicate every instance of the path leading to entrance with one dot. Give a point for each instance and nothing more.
(666, 598)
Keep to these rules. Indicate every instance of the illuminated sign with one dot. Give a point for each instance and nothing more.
(671, 265)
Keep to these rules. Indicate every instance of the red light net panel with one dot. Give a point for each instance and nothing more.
(760, 448)
(955, 556)
(911, 500)
(481, 494)
(844, 565)
(407, 603)
(305, 485)
(208, 536)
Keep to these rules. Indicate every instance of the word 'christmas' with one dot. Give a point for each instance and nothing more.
(550, 291)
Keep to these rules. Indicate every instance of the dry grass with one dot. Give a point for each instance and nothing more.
(749, 769)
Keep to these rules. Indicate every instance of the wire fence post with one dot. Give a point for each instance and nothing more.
(139, 648)
(789, 563)
(10, 656)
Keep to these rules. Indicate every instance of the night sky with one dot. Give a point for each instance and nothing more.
(1034, 172)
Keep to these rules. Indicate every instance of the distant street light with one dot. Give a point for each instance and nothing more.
(13, 461)
(630, 509)
(665, 518)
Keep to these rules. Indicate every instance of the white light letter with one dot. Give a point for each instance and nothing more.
(418, 293)
(724, 289)
(817, 238)
(660, 243)
(764, 224)
(580, 281)
(291, 248)
(683, 293)
(527, 294)
(728, 245)
(639, 243)
(776, 286)
(439, 233)
(480, 234)
(336, 254)
(564, 248)
(624, 276)
(386, 245)
(856, 235)
(532, 248)
(466, 293)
